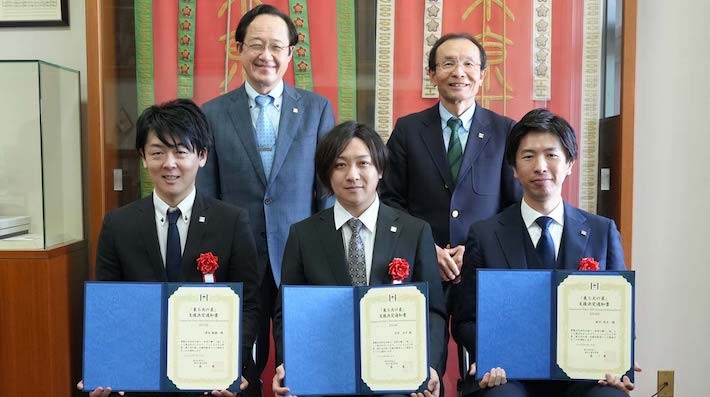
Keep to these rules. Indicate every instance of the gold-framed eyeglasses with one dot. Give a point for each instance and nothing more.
(449, 64)
(258, 48)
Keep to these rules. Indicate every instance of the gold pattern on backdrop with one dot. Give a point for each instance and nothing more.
(433, 17)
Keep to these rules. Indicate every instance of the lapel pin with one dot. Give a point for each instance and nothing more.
(295, 110)
(393, 229)
(201, 219)
(480, 135)
(583, 232)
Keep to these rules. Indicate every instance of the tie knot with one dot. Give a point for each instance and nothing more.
(263, 100)
(454, 123)
(544, 222)
(173, 216)
(355, 225)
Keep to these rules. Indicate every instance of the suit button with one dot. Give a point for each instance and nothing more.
(267, 201)
(455, 214)
(446, 186)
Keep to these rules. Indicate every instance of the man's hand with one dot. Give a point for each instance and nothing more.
(432, 388)
(450, 261)
(98, 392)
(226, 393)
(277, 383)
(494, 377)
(624, 383)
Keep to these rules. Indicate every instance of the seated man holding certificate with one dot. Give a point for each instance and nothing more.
(352, 243)
(542, 232)
(159, 238)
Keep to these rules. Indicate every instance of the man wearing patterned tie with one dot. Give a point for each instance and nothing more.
(353, 242)
(265, 136)
(446, 165)
(542, 232)
(160, 237)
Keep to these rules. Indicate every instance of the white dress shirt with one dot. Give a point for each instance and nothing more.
(369, 221)
(273, 112)
(555, 228)
(161, 220)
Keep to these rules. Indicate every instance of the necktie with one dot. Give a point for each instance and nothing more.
(265, 134)
(545, 246)
(455, 152)
(356, 254)
(173, 251)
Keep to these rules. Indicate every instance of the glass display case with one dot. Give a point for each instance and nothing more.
(40, 156)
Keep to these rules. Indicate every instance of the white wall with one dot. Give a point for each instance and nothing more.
(65, 46)
(672, 194)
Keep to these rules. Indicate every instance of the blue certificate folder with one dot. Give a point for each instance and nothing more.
(321, 340)
(125, 335)
(516, 321)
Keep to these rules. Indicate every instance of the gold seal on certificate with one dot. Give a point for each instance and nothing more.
(393, 332)
(202, 341)
(594, 325)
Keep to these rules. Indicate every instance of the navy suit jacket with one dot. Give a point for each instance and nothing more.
(315, 255)
(499, 242)
(418, 180)
(234, 172)
(128, 250)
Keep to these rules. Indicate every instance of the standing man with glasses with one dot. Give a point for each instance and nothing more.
(265, 137)
(447, 162)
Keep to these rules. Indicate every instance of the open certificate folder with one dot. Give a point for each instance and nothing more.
(550, 324)
(162, 336)
(355, 340)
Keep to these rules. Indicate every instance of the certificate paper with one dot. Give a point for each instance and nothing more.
(393, 338)
(202, 345)
(594, 318)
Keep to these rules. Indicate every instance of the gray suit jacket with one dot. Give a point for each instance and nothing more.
(234, 172)
(315, 256)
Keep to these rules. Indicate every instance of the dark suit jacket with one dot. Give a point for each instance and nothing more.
(128, 250)
(234, 172)
(418, 180)
(315, 256)
(499, 242)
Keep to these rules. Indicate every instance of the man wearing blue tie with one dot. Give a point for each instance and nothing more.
(542, 232)
(265, 136)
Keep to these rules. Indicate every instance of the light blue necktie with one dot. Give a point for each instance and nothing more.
(265, 134)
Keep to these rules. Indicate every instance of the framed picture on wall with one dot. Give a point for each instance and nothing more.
(25, 13)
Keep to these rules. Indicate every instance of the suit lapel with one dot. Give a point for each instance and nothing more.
(149, 237)
(431, 134)
(289, 125)
(386, 237)
(508, 234)
(240, 117)
(200, 214)
(475, 143)
(332, 243)
(575, 235)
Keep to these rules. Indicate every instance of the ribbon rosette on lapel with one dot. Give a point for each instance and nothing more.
(398, 270)
(588, 264)
(207, 263)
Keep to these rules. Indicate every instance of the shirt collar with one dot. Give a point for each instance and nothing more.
(465, 117)
(530, 215)
(275, 93)
(185, 206)
(368, 218)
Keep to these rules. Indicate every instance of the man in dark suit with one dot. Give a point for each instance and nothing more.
(136, 242)
(265, 137)
(451, 179)
(350, 161)
(542, 232)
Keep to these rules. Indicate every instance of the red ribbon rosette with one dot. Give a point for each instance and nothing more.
(207, 264)
(398, 270)
(588, 264)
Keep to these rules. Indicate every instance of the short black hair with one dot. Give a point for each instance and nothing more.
(335, 142)
(265, 9)
(179, 120)
(541, 120)
(454, 36)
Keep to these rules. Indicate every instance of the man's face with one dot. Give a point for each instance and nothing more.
(541, 166)
(172, 169)
(458, 74)
(265, 52)
(354, 179)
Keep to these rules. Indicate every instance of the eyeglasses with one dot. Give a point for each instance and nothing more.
(258, 48)
(449, 64)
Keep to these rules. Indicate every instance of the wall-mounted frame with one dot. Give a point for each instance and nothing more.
(30, 13)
